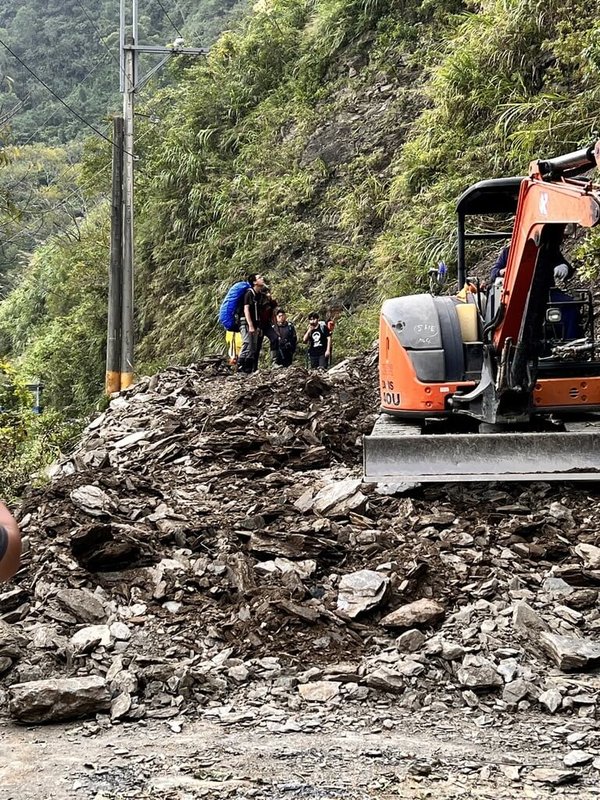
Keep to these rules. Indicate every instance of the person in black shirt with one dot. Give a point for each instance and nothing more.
(284, 341)
(250, 324)
(318, 338)
(10, 544)
(266, 317)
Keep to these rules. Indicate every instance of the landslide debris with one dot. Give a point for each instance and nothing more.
(210, 538)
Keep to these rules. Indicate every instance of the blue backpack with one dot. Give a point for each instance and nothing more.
(229, 311)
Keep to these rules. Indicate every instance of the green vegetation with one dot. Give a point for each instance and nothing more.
(73, 46)
(323, 142)
(28, 441)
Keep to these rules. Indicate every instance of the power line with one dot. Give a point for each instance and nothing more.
(71, 167)
(53, 93)
(14, 110)
(87, 185)
(95, 27)
(31, 231)
(169, 18)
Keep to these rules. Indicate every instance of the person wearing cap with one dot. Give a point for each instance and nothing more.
(250, 324)
(284, 341)
(318, 338)
(10, 544)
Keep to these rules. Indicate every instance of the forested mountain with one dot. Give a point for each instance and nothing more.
(73, 47)
(324, 142)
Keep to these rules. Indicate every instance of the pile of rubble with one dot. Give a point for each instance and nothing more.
(210, 539)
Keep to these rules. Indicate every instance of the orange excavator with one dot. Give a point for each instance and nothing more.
(498, 382)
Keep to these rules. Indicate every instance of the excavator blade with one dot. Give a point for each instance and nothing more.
(398, 451)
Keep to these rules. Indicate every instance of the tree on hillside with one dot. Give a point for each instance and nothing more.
(73, 47)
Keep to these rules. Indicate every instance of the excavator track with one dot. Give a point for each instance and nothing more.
(400, 451)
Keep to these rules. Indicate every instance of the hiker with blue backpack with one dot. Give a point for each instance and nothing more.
(249, 315)
(239, 313)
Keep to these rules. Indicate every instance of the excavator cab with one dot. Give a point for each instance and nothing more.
(502, 382)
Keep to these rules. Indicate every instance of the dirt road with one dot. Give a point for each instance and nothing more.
(444, 757)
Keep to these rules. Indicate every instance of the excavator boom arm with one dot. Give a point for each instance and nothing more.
(540, 204)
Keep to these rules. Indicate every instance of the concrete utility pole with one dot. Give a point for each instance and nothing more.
(129, 83)
(127, 337)
(115, 275)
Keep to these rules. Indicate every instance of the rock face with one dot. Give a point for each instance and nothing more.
(209, 541)
(54, 700)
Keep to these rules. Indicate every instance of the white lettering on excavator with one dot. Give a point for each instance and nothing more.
(425, 332)
(391, 398)
(544, 204)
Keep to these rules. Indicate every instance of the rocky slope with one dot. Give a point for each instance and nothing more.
(210, 542)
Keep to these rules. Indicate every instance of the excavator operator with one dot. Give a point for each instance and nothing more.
(563, 270)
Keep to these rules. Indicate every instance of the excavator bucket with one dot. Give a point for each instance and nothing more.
(399, 451)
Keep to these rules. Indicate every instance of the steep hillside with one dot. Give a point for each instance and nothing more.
(324, 143)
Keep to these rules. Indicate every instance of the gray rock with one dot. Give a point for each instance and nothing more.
(553, 777)
(451, 651)
(238, 674)
(5, 664)
(305, 502)
(410, 668)
(551, 699)
(120, 706)
(515, 691)
(557, 586)
(319, 691)
(123, 681)
(84, 605)
(570, 652)
(391, 489)
(46, 637)
(58, 699)
(12, 641)
(526, 621)
(410, 641)
(120, 631)
(387, 679)
(477, 672)
(576, 758)
(361, 591)
(508, 668)
(582, 598)
(558, 511)
(589, 554)
(92, 500)
(336, 493)
(92, 634)
(343, 672)
(333, 143)
(417, 613)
